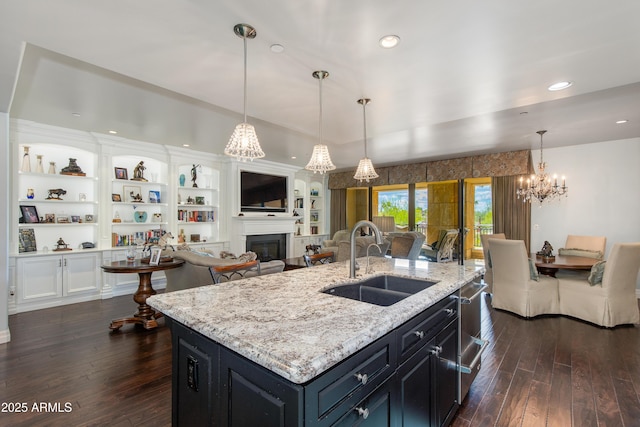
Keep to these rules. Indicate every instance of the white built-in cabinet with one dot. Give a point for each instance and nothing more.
(43, 281)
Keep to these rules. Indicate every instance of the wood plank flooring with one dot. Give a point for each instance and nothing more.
(549, 371)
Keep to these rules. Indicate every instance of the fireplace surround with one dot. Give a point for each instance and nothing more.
(268, 246)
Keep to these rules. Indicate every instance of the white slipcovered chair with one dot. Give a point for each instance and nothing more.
(488, 270)
(585, 246)
(611, 302)
(517, 287)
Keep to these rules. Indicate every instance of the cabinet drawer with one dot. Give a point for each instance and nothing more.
(374, 410)
(355, 377)
(419, 330)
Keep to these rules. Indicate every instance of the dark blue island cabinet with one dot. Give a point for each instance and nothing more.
(407, 378)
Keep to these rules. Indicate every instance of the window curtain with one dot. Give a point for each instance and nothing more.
(510, 215)
(338, 214)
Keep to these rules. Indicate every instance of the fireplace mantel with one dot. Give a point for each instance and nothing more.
(251, 225)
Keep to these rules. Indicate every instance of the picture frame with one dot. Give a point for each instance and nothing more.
(154, 196)
(155, 256)
(199, 200)
(89, 218)
(27, 240)
(132, 194)
(116, 197)
(50, 218)
(75, 218)
(62, 219)
(29, 214)
(121, 173)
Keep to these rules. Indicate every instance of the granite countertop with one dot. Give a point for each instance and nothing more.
(284, 322)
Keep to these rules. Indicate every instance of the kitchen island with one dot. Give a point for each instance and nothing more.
(277, 345)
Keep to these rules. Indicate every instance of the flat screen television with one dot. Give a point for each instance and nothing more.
(261, 192)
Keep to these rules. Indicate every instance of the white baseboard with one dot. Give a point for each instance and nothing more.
(5, 336)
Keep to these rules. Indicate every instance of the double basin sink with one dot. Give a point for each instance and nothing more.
(382, 290)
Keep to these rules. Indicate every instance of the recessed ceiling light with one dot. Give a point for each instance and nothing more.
(113, 132)
(619, 122)
(389, 41)
(293, 157)
(75, 114)
(524, 113)
(559, 86)
(277, 48)
(185, 145)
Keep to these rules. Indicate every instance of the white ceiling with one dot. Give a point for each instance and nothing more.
(467, 77)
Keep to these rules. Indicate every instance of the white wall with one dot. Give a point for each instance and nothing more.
(603, 198)
(4, 228)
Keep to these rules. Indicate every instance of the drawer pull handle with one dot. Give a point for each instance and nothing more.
(364, 413)
(419, 334)
(436, 350)
(449, 311)
(363, 378)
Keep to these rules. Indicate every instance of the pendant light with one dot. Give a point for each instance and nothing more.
(320, 160)
(244, 144)
(365, 169)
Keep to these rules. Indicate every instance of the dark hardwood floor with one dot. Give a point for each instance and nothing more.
(550, 371)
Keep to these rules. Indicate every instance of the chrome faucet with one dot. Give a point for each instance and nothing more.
(352, 254)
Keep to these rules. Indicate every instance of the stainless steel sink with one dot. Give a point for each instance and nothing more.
(380, 290)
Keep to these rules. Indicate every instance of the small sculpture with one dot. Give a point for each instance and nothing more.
(547, 250)
(138, 172)
(72, 169)
(194, 175)
(61, 245)
(135, 198)
(55, 193)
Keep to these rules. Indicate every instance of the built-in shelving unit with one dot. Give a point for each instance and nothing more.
(138, 204)
(197, 204)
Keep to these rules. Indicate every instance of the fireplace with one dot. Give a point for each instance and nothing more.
(268, 246)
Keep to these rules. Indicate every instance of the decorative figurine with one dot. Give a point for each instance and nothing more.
(72, 169)
(55, 193)
(52, 167)
(138, 172)
(194, 175)
(546, 252)
(135, 198)
(61, 246)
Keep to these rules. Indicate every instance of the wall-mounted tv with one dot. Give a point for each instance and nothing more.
(261, 192)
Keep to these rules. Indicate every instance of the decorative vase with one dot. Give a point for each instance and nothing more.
(26, 161)
(182, 179)
(52, 167)
(39, 167)
(30, 193)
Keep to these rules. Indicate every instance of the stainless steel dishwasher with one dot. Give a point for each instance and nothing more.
(471, 343)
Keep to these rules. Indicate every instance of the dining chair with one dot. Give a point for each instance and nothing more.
(611, 302)
(488, 270)
(225, 273)
(317, 259)
(517, 286)
(585, 246)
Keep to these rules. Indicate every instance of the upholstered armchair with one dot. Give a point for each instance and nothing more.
(612, 301)
(340, 245)
(488, 270)
(517, 287)
(442, 250)
(406, 245)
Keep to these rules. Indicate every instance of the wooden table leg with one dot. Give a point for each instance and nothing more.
(145, 316)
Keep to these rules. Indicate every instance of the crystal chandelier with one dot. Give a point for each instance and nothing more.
(320, 160)
(244, 144)
(365, 169)
(540, 187)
